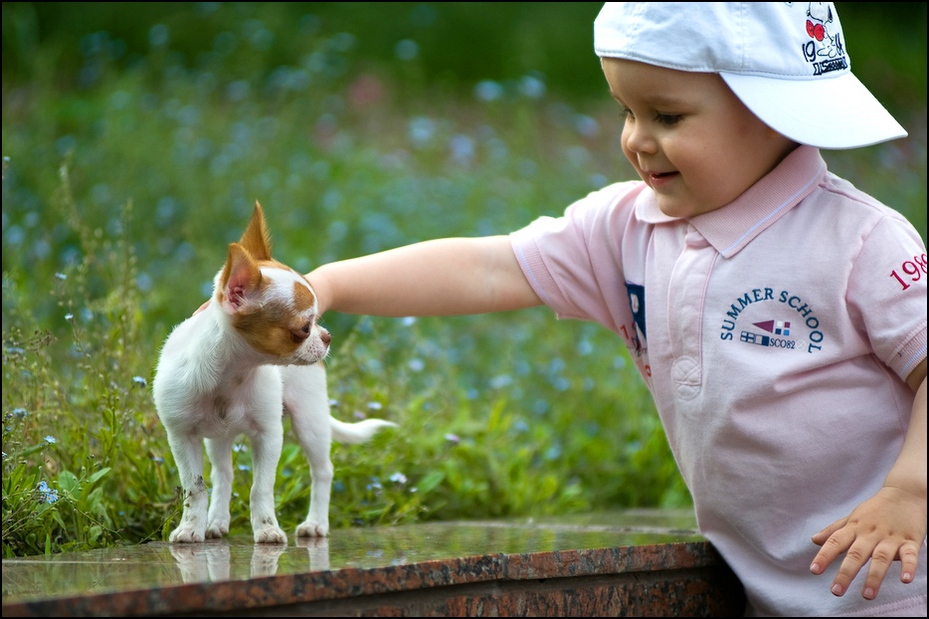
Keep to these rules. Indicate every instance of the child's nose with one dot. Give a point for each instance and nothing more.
(638, 138)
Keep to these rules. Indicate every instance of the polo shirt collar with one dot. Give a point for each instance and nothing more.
(732, 227)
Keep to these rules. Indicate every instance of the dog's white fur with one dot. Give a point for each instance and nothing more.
(253, 354)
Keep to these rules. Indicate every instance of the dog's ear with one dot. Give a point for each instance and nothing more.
(256, 239)
(241, 277)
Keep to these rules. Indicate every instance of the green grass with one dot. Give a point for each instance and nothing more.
(136, 148)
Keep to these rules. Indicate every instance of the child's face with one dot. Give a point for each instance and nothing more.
(689, 137)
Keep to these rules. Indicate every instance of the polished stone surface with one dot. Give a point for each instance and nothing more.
(579, 565)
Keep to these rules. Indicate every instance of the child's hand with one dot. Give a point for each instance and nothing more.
(889, 526)
(201, 308)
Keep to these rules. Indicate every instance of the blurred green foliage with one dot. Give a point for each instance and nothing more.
(138, 136)
(459, 43)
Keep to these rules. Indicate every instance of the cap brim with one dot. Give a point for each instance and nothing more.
(834, 113)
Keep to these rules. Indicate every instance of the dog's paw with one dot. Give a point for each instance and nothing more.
(313, 529)
(185, 535)
(270, 535)
(217, 529)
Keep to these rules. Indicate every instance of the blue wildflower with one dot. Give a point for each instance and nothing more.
(50, 439)
(488, 90)
(406, 49)
(500, 381)
(532, 87)
(47, 494)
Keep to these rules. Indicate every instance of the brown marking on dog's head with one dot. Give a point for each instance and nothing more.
(278, 328)
(275, 310)
(256, 239)
(304, 299)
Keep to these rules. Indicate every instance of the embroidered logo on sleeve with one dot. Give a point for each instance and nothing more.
(773, 320)
(910, 272)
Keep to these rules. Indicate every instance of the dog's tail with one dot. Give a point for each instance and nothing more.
(360, 432)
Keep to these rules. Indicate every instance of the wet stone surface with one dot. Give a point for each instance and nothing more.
(627, 563)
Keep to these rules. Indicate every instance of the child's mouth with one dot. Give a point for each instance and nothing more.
(657, 179)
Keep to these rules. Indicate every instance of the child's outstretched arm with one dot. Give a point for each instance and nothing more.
(890, 525)
(443, 277)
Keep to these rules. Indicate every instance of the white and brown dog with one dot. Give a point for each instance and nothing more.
(252, 354)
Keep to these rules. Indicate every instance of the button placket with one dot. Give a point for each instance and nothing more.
(686, 296)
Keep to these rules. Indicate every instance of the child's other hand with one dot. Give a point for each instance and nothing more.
(201, 308)
(889, 526)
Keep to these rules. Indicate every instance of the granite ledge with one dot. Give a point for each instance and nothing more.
(625, 563)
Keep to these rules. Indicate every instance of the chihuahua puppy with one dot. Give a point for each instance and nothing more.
(252, 354)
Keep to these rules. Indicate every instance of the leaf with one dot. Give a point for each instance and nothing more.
(31, 450)
(69, 482)
(56, 516)
(98, 475)
(430, 481)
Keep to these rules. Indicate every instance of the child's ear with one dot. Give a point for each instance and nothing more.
(240, 279)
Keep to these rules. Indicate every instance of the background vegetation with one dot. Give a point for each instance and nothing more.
(137, 136)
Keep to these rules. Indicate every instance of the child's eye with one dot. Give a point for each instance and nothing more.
(626, 113)
(668, 119)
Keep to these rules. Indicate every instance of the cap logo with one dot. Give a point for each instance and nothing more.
(824, 51)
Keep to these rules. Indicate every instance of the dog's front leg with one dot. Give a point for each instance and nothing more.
(266, 451)
(220, 452)
(188, 456)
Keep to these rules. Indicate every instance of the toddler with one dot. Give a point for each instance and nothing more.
(777, 314)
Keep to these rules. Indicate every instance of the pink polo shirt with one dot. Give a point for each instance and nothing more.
(775, 335)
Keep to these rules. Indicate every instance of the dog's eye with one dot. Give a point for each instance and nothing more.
(300, 334)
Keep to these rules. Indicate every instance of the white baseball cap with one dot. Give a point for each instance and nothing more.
(786, 61)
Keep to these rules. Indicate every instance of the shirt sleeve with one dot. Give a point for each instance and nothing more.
(574, 262)
(887, 290)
